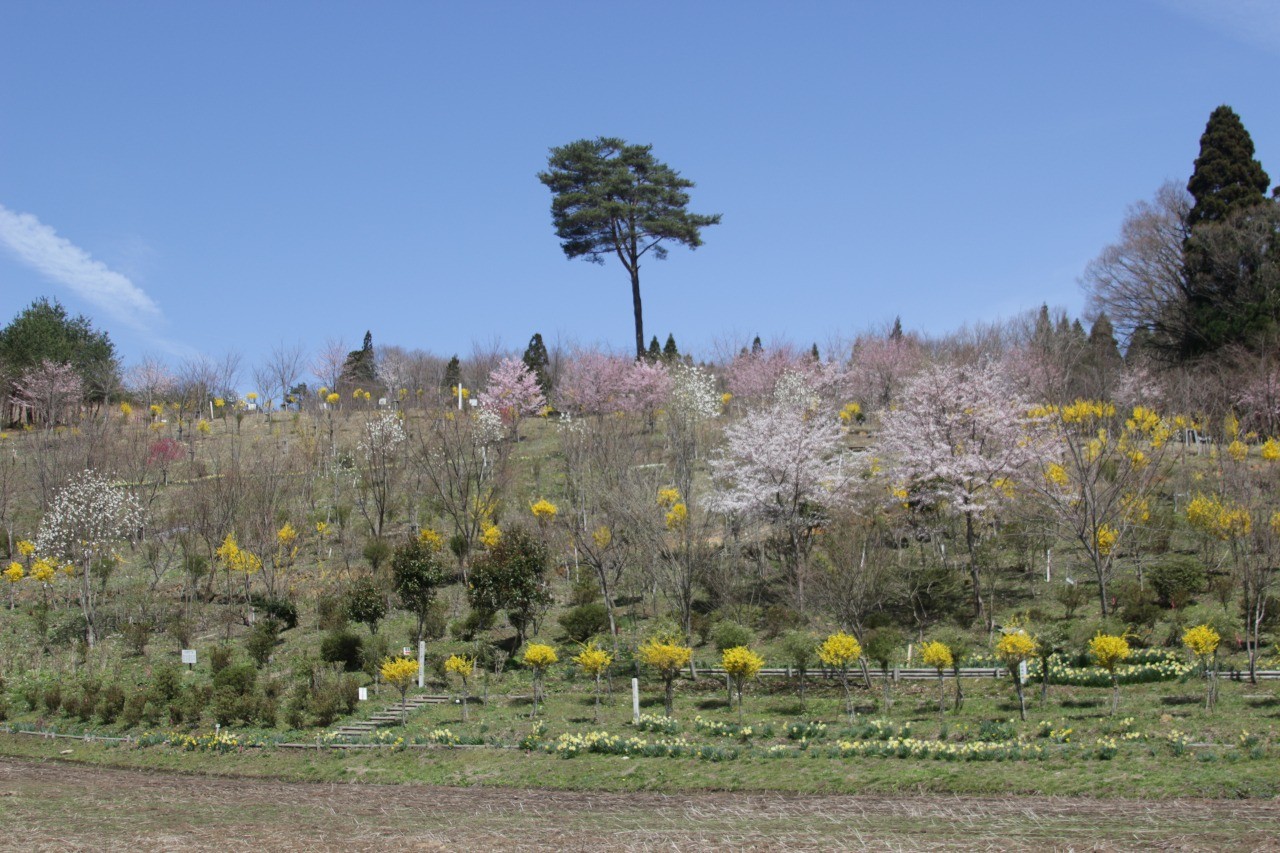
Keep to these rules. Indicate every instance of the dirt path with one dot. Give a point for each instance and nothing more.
(54, 806)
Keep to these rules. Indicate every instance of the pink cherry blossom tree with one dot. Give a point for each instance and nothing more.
(513, 392)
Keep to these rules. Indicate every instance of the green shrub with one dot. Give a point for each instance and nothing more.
(220, 658)
(344, 647)
(239, 679)
(585, 621)
(728, 635)
(474, 623)
(262, 641)
(110, 703)
(1176, 579)
(166, 682)
(282, 610)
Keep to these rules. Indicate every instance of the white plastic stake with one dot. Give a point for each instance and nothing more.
(635, 701)
(422, 660)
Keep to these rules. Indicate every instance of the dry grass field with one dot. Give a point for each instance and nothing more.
(62, 806)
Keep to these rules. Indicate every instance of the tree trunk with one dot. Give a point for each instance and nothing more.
(635, 303)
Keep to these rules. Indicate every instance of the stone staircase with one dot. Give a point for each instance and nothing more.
(389, 716)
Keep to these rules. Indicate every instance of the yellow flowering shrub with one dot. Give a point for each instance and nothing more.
(1136, 510)
(1238, 450)
(1202, 640)
(668, 497)
(1109, 651)
(677, 516)
(1270, 450)
(286, 535)
(593, 660)
(44, 570)
(1015, 647)
(399, 671)
(490, 536)
(26, 548)
(741, 663)
(126, 410)
(333, 398)
(431, 537)
(664, 656)
(1218, 519)
(1084, 411)
(936, 654)
(840, 650)
(602, 536)
(850, 413)
(1105, 539)
(539, 656)
(544, 510)
(236, 559)
(14, 573)
(461, 666)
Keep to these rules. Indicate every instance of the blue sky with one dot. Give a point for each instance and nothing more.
(203, 177)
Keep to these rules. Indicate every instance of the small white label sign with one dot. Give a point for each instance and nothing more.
(189, 656)
(364, 694)
(407, 652)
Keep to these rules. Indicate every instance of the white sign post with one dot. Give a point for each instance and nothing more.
(422, 661)
(189, 657)
(635, 701)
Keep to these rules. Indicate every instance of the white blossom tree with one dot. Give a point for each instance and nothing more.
(784, 467)
(957, 443)
(87, 517)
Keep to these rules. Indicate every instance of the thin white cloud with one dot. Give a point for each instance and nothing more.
(1255, 22)
(38, 246)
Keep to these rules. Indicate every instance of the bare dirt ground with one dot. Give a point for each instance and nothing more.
(56, 806)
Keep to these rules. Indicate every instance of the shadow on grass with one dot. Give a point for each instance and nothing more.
(1079, 703)
(711, 704)
(1181, 700)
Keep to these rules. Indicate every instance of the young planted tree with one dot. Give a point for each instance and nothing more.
(742, 665)
(1202, 641)
(539, 657)
(1015, 648)
(416, 577)
(883, 647)
(937, 655)
(381, 469)
(461, 667)
(1109, 651)
(595, 662)
(800, 650)
(615, 199)
(841, 651)
(668, 658)
(510, 577)
(400, 673)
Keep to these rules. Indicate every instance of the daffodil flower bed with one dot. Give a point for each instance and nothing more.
(603, 743)
(658, 723)
(806, 731)
(730, 730)
(1150, 665)
(936, 750)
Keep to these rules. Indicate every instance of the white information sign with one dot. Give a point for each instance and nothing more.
(189, 656)
(364, 694)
